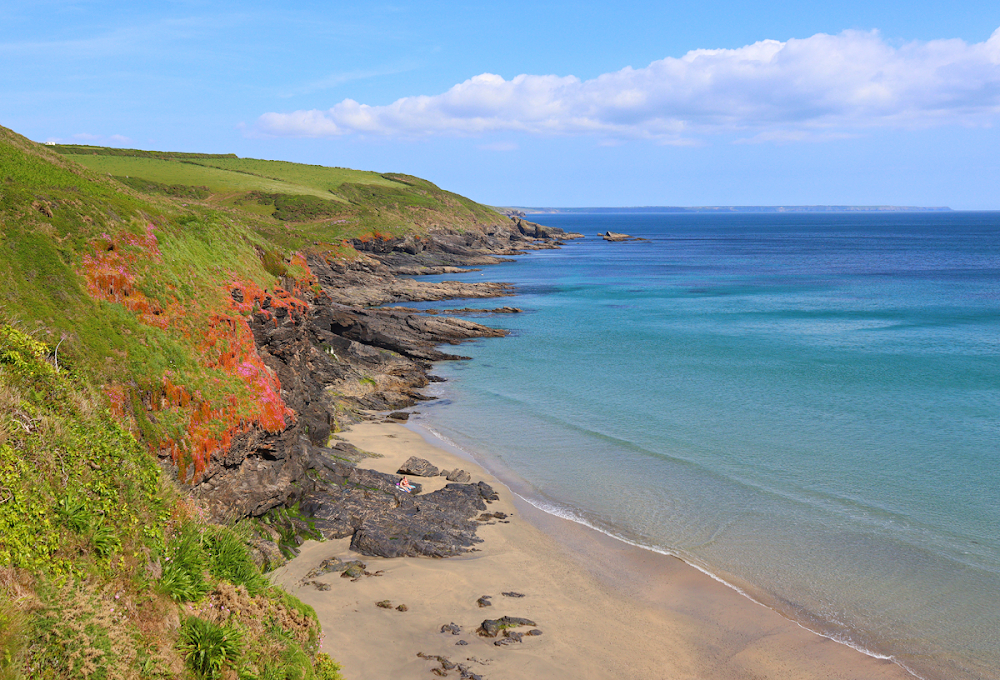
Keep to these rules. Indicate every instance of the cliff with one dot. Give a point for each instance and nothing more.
(227, 336)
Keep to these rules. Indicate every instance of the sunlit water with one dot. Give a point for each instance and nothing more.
(807, 406)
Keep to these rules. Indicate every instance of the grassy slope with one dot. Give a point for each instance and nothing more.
(115, 308)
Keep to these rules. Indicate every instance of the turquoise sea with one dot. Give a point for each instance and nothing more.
(806, 406)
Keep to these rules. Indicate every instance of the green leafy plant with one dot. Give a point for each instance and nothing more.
(208, 648)
(184, 567)
(105, 541)
(74, 512)
(229, 559)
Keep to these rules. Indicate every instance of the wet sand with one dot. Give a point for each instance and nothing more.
(606, 609)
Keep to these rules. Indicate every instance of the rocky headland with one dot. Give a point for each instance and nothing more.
(342, 358)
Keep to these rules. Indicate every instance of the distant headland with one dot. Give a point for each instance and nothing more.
(522, 211)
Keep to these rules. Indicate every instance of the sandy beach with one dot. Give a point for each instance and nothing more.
(606, 609)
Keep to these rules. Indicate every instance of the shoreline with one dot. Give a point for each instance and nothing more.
(606, 608)
(540, 516)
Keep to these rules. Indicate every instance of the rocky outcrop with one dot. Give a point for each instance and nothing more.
(534, 230)
(612, 236)
(418, 467)
(337, 358)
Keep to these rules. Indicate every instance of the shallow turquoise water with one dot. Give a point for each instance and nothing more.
(807, 406)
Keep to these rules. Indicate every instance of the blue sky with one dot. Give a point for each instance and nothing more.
(713, 102)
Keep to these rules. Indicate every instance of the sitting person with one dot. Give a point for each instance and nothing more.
(405, 485)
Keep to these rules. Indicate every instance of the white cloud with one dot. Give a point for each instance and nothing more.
(814, 88)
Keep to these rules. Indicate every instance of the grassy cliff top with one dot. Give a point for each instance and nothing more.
(247, 183)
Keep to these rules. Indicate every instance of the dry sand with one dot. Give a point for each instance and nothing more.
(606, 609)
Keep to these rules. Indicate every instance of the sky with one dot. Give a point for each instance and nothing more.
(570, 104)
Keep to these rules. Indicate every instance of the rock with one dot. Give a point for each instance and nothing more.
(384, 604)
(456, 475)
(484, 601)
(461, 643)
(612, 236)
(491, 627)
(321, 586)
(513, 635)
(452, 628)
(353, 569)
(399, 415)
(418, 467)
(326, 566)
(402, 608)
(505, 641)
(512, 594)
(534, 631)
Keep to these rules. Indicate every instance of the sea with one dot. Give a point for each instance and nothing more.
(805, 406)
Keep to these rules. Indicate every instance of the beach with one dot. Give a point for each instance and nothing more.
(604, 608)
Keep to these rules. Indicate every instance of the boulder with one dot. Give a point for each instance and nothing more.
(612, 236)
(418, 467)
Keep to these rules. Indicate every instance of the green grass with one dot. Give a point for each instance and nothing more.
(218, 180)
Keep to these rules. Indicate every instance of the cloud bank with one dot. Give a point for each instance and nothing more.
(822, 86)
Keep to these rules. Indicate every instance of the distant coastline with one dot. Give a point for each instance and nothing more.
(520, 210)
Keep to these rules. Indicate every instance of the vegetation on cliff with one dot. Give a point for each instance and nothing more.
(124, 337)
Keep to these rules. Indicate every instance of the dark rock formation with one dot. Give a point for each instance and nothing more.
(418, 467)
(456, 475)
(339, 358)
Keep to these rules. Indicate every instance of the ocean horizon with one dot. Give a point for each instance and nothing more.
(803, 405)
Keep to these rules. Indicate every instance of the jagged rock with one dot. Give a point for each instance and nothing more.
(456, 475)
(384, 604)
(534, 631)
(399, 415)
(491, 627)
(484, 601)
(513, 635)
(418, 467)
(612, 236)
(452, 628)
(512, 594)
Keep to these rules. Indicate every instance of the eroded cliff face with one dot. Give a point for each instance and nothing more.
(338, 358)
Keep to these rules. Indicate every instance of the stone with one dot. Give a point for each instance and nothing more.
(452, 628)
(492, 627)
(418, 467)
(321, 586)
(511, 593)
(402, 608)
(384, 604)
(402, 416)
(534, 631)
(484, 601)
(612, 236)
(460, 476)
(461, 643)
(353, 569)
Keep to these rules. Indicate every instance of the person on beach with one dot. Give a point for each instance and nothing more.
(404, 485)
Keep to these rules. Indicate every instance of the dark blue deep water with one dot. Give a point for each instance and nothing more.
(804, 405)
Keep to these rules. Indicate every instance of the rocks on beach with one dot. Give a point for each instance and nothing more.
(418, 467)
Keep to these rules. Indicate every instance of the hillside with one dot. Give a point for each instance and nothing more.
(172, 370)
(346, 202)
